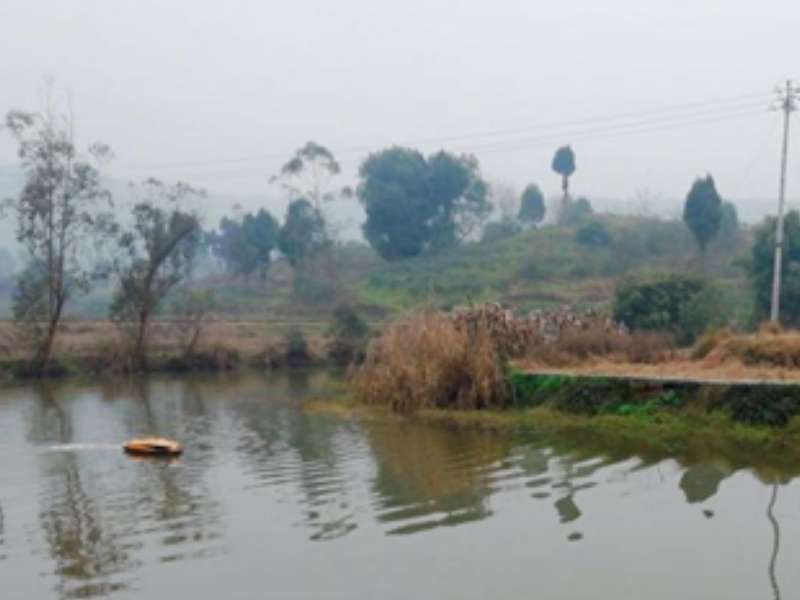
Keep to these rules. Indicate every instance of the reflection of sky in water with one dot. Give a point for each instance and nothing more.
(271, 499)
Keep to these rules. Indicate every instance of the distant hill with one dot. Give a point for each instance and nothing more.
(539, 268)
(548, 267)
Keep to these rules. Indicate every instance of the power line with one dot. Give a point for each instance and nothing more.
(638, 127)
(709, 105)
(573, 135)
(704, 106)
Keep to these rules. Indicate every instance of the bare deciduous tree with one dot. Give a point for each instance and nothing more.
(156, 255)
(191, 312)
(61, 212)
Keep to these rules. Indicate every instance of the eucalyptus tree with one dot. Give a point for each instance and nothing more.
(309, 174)
(62, 214)
(302, 234)
(245, 246)
(156, 254)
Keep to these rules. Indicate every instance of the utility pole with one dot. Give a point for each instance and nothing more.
(787, 103)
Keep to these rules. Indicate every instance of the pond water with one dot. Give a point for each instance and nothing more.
(274, 501)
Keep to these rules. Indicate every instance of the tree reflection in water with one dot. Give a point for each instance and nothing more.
(286, 446)
(174, 497)
(429, 477)
(85, 547)
(572, 470)
(701, 481)
(106, 519)
(97, 512)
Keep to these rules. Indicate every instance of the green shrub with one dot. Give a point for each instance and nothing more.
(594, 234)
(590, 396)
(347, 336)
(313, 287)
(702, 313)
(682, 305)
(575, 211)
(762, 405)
(296, 348)
(500, 230)
(760, 268)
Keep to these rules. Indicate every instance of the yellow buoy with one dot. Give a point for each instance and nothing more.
(153, 446)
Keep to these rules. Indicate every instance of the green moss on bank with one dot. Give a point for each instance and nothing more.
(752, 424)
(769, 404)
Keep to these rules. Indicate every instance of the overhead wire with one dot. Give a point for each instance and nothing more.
(692, 108)
(598, 133)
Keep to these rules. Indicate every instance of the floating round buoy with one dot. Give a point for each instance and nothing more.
(153, 446)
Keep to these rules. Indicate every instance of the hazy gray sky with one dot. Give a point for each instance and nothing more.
(220, 92)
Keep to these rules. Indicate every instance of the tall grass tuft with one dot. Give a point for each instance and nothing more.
(429, 360)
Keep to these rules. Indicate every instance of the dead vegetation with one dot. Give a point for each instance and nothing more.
(770, 354)
(432, 360)
(768, 347)
(98, 346)
(565, 337)
(439, 360)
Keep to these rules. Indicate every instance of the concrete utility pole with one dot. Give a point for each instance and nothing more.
(787, 98)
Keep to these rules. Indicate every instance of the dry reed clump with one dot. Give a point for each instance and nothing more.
(593, 341)
(431, 361)
(649, 347)
(708, 342)
(517, 336)
(763, 349)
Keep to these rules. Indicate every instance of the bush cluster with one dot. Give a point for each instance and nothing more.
(683, 305)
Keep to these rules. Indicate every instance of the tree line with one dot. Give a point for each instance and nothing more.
(414, 204)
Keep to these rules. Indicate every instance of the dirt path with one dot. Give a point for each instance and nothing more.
(691, 371)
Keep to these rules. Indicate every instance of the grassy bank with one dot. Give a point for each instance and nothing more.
(547, 267)
(687, 436)
(98, 347)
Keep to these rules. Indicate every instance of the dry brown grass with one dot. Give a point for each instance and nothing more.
(428, 361)
(581, 344)
(101, 342)
(771, 354)
(768, 349)
(708, 342)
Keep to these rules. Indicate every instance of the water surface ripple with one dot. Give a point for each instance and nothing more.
(273, 500)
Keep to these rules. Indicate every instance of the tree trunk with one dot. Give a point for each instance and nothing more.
(565, 189)
(703, 255)
(45, 350)
(190, 348)
(139, 350)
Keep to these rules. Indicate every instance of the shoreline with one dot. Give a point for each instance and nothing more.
(91, 348)
(683, 436)
(756, 422)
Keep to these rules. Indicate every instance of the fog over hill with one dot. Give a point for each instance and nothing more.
(345, 215)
